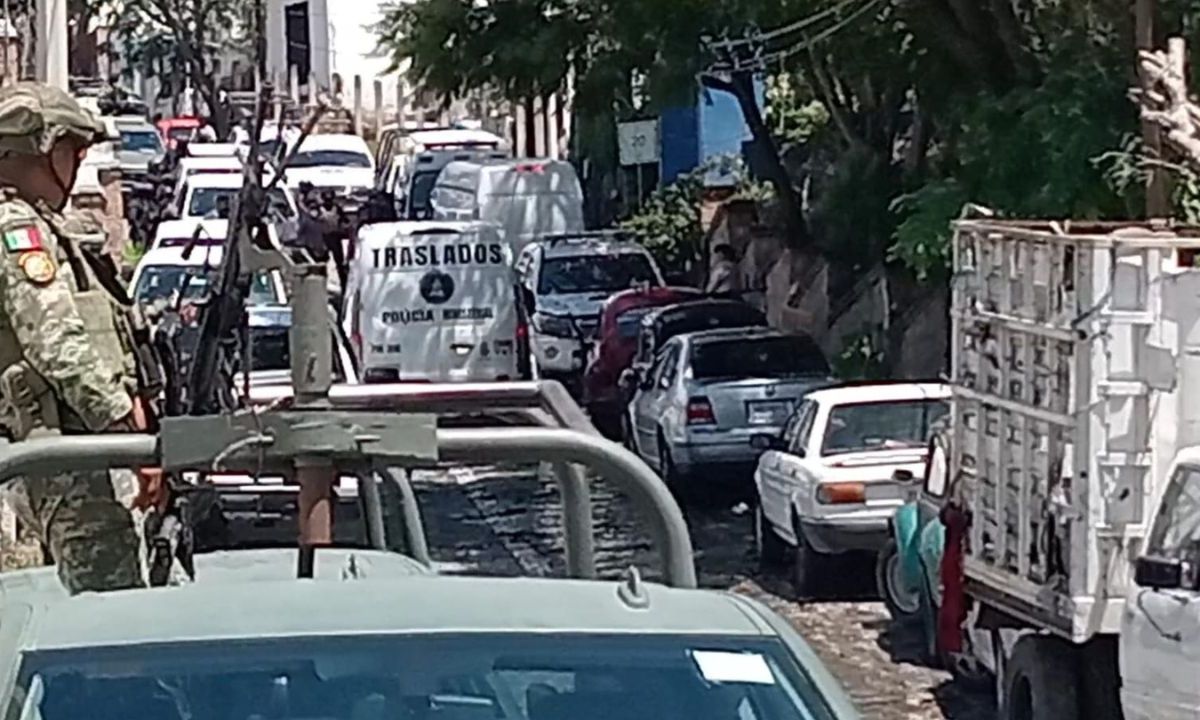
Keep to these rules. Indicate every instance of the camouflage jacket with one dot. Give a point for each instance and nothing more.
(41, 322)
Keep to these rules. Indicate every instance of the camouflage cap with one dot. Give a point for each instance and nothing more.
(34, 116)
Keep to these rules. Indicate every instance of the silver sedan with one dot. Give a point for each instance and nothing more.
(708, 393)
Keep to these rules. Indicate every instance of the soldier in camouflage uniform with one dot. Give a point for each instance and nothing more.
(66, 360)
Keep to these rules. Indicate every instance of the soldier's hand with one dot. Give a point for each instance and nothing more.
(134, 422)
(152, 490)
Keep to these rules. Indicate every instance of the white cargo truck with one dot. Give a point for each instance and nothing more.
(1076, 393)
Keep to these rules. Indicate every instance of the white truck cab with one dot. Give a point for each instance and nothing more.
(565, 279)
(333, 161)
(1160, 628)
(433, 302)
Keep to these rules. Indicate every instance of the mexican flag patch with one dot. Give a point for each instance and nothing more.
(23, 239)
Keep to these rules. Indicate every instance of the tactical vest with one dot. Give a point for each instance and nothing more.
(108, 323)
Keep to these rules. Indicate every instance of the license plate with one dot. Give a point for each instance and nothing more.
(767, 412)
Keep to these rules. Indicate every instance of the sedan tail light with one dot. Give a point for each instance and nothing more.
(841, 493)
(700, 412)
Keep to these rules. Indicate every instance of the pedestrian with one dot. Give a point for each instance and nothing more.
(724, 277)
(59, 373)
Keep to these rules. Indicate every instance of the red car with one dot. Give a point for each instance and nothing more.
(178, 128)
(616, 339)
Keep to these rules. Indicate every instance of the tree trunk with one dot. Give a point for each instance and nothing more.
(741, 86)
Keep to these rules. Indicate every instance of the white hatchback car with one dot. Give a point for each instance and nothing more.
(843, 464)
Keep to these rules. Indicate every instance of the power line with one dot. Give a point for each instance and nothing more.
(760, 60)
(785, 30)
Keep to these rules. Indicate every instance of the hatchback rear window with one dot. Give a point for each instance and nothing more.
(881, 426)
(774, 357)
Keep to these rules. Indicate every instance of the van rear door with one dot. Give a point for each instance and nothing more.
(439, 305)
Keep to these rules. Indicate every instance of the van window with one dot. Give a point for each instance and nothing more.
(420, 190)
(455, 199)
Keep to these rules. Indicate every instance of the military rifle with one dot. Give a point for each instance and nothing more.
(223, 338)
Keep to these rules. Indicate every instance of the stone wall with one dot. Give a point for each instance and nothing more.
(792, 288)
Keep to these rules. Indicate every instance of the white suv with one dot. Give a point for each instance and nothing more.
(565, 280)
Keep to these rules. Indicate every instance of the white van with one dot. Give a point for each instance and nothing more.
(526, 198)
(433, 302)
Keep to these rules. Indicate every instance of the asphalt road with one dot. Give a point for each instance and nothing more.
(502, 521)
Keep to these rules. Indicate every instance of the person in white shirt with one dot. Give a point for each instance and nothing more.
(724, 276)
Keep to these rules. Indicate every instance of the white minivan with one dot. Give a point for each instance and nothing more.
(434, 302)
(526, 198)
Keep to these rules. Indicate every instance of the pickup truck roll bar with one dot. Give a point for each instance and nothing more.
(555, 445)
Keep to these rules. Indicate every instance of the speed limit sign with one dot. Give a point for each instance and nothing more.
(638, 142)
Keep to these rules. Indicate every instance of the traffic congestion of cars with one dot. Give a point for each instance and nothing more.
(481, 270)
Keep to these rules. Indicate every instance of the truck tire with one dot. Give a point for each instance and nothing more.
(1100, 681)
(807, 566)
(1041, 681)
(903, 603)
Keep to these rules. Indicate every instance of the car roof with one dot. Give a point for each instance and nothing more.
(702, 337)
(585, 246)
(185, 228)
(858, 393)
(201, 162)
(676, 312)
(388, 594)
(335, 141)
(201, 255)
(634, 298)
(453, 136)
(215, 180)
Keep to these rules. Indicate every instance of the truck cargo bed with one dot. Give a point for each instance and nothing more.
(1069, 360)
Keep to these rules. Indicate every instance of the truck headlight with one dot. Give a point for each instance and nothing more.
(553, 325)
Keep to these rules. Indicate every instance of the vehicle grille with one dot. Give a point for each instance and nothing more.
(588, 326)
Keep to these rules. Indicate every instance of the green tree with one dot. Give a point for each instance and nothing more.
(529, 47)
(177, 39)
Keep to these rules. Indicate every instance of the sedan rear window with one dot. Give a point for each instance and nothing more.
(881, 426)
(774, 357)
(480, 676)
(629, 323)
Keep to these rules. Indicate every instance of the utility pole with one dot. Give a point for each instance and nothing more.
(1158, 191)
(52, 42)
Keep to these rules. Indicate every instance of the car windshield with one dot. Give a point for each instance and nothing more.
(881, 425)
(143, 141)
(421, 189)
(331, 158)
(165, 283)
(595, 273)
(773, 357)
(507, 676)
(218, 202)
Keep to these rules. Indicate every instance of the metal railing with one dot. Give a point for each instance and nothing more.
(381, 430)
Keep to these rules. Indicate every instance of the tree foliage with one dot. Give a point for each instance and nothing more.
(183, 39)
(894, 113)
(669, 222)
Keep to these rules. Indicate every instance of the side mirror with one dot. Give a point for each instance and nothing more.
(1158, 573)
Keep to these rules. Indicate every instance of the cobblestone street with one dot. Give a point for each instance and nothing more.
(500, 521)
